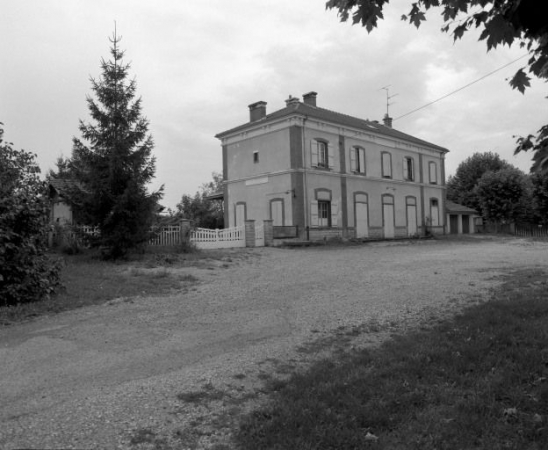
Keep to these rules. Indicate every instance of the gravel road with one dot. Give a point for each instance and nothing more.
(98, 376)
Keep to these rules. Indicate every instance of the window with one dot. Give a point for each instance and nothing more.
(386, 165)
(433, 172)
(277, 212)
(323, 159)
(321, 154)
(434, 212)
(255, 156)
(240, 214)
(324, 213)
(323, 210)
(408, 172)
(357, 160)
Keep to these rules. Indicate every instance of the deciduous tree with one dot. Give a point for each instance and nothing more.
(26, 272)
(500, 21)
(501, 193)
(201, 211)
(539, 183)
(461, 188)
(113, 162)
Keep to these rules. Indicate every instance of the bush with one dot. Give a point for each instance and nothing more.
(26, 272)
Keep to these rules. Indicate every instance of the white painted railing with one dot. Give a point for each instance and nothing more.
(229, 237)
(167, 235)
(203, 238)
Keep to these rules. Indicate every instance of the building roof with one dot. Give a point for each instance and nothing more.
(310, 111)
(215, 196)
(452, 207)
(63, 185)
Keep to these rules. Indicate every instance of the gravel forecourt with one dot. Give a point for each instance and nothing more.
(108, 376)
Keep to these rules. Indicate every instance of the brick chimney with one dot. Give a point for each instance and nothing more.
(291, 101)
(387, 120)
(257, 111)
(310, 98)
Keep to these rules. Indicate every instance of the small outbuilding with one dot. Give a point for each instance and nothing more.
(61, 210)
(461, 219)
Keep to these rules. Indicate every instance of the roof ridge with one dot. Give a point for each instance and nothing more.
(342, 114)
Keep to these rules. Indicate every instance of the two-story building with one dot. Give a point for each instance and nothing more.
(328, 174)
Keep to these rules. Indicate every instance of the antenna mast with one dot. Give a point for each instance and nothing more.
(388, 97)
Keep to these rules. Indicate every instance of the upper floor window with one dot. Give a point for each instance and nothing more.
(255, 156)
(323, 159)
(386, 165)
(321, 154)
(408, 169)
(357, 160)
(433, 172)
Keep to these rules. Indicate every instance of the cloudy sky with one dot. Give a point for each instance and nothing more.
(200, 63)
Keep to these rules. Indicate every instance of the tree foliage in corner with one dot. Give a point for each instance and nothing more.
(202, 212)
(539, 183)
(500, 21)
(26, 272)
(115, 164)
(461, 188)
(500, 195)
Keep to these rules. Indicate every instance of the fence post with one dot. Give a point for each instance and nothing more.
(184, 231)
(268, 233)
(250, 233)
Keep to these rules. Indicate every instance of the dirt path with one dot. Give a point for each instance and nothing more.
(97, 377)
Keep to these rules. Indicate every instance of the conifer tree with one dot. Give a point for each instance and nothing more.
(113, 162)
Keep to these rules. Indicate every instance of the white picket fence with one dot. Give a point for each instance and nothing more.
(205, 238)
(92, 231)
(168, 235)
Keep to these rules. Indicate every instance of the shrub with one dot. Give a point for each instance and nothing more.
(26, 272)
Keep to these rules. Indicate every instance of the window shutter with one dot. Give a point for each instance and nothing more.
(433, 174)
(361, 155)
(314, 153)
(405, 169)
(334, 213)
(352, 159)
(330, 156)
(411, 169)
(314, 213)
(386, 165)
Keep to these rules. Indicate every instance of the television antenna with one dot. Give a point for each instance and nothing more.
(388, 97)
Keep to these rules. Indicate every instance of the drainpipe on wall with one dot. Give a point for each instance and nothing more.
(305, 185)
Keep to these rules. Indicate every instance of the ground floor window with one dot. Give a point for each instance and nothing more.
(434, 212)
(277, 212)
(324, 213)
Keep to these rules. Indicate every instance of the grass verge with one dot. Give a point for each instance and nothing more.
(88, 281)
(476, 381)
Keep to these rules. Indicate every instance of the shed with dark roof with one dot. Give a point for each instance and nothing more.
(461, 219)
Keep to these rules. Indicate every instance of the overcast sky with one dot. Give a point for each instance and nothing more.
(200, 63)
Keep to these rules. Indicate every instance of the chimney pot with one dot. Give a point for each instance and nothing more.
(257, 111)
(310, 98)
(291, 100)
(387, 120)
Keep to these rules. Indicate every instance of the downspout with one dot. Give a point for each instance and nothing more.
(305, 185)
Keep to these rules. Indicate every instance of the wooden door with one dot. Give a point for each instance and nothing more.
(388, 220)
(362, 227)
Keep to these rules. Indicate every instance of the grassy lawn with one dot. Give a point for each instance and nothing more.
(478, 381)
(87, 280)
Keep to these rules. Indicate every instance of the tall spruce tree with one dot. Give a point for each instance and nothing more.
(115, 164)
